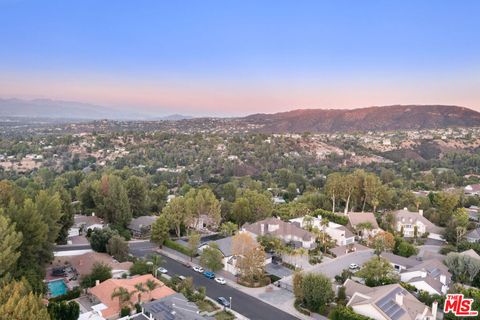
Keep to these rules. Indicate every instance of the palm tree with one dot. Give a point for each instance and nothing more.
(140, 289)
(308, 222)
(156, 261)
(123, 296)
(151, 285)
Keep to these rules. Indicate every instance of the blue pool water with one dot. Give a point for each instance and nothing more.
(57, 287)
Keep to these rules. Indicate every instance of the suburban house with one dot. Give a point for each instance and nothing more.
(229, 259)
(81, 224)
(203, 223)
(471, 253)
(141, 226)
(472, 190)
(288, 232)
(174, 306)
(83, 264)
(400, 263)
(473, 236)
(364, 223)
(337, 232)
(406, 221)
(389, 302)
(102, 293)
(473, 213)
(431, 276)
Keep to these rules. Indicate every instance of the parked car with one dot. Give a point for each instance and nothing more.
(354, 266)
(181, 277)
(209, 274)
(223, 301)
(162, 270)
(198, 269)
(220, 280)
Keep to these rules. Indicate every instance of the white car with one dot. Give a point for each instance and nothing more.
(354, 266)
(182, 277)
(220, 280)
(198, 269)
(162, 270)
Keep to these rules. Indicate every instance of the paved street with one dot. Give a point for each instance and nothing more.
(241, 302)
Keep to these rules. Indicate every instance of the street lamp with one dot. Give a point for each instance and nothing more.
(230, 303)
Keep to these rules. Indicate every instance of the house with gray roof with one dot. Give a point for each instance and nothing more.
(414, 222)
(363, 223)
(400, 263)
(431, 276)
(389, 302)
(140, 227)
(172, 307)
(473, 236)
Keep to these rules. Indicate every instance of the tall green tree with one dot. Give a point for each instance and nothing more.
(160, 230)
(316, 291)
(252, 206)
(111, 200)
(176, 212)
(64, 310)
(117, 247)
(378, 271)
(17, 301)
(10, 241)
(202, 202)
(137, 195)
(211, 258)
(193, 242)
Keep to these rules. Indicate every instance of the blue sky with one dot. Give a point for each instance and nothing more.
(239, 57)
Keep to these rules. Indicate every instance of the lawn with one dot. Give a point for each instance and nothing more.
(206, 305)
(224, 315)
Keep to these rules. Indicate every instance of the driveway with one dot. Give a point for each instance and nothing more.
(335, 266)
(278, 270)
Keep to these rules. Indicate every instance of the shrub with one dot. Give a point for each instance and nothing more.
(141, 267)
(125, 312)
(345, 313)
(177, 247)
(100, 271)
(331, 216)
(72, 294)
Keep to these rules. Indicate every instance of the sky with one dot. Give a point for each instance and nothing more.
(227, 58)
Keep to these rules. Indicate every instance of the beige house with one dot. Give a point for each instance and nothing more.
(337, 232)
(409, 221)
(390, 302)
(364, 223)
(288, 232)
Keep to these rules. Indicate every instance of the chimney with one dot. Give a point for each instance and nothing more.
(399, 299)
(434, 309)
(93, 214)
(405, 209)
(97, 282)
(424, 274)
(420, 212)
(443, 279)
(262, 229)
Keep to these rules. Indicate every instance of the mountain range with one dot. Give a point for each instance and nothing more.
(396, 117)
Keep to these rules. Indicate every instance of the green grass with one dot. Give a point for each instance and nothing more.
(224, 315)
(206, 305)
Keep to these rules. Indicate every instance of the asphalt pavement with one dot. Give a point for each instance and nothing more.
(242, 303)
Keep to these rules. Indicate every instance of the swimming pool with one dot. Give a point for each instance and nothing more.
(57, 287)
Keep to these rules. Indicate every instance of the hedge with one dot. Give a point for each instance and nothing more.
(177, 247)
(333, 217)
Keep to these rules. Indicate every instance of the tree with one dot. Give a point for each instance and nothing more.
(137, 196)
(211, 258)
(111, 200)
(160, 230)
(193, 243)
(297, 286)
(50, 209)
(140, 288)
(404, 248)
(243, 243)
(158, 198)
(67, 219)
(383, 241)
(141, 267)
(345, 313)
(252, 206)
(100, 271)
(464, 268)
(10, 242)
(228, 228)
(64, 310)
(156, 261)
(124, 296)
(314, 291)
(151, 285)
(176, 213)
(446, 203)
(333, 188)
(251, 265)
(99, 239)
(17, 301)
(377, 271)
(117, 247)
(202, 202)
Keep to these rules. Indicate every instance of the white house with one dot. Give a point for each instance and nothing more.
(83, 224)
(431, 276)
(408, 221)
(337, 232)
(472, 190)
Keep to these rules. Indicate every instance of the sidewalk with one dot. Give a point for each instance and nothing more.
(277, 297)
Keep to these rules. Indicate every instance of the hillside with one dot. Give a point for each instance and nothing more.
(399, 117)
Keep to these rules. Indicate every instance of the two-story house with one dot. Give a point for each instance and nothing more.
(414, 223)
(341, 235)
(288, 232)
